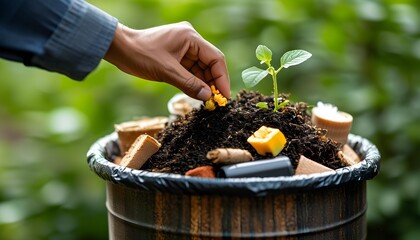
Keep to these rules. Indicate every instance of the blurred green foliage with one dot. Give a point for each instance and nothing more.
(366, 58)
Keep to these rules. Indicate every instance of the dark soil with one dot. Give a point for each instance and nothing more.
(186, 141)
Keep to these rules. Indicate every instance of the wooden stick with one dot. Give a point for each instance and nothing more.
(229, 156)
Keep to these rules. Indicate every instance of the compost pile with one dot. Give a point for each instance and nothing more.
(186, 141)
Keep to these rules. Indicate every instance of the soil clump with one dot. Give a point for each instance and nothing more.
(186, 141)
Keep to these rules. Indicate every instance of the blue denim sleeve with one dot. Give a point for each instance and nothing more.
(65, 36)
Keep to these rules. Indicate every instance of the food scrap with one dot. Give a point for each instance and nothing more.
(181, 104)
(203, 171)
(216, 97)
(267, 140)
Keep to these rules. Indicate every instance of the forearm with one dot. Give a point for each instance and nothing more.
(70, 39)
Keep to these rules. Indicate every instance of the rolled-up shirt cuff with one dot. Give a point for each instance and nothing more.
(80, 41)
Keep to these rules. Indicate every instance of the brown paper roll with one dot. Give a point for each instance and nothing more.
(229, 156)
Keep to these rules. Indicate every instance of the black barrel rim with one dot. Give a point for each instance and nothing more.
(105, 147)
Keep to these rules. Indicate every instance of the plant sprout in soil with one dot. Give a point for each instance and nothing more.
(253, 75)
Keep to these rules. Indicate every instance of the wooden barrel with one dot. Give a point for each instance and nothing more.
(143, 205)
(329, 213)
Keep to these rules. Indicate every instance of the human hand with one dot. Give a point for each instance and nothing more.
(173, 53)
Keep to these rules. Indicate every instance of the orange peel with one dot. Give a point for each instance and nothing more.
(203, 171)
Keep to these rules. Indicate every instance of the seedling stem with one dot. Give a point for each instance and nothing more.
(253, 75)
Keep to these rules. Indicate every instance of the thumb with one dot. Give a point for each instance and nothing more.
(188, 83)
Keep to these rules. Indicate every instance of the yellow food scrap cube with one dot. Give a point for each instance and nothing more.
(216, 97)
(268, 140)
(210, 105)
(214, 90)
(221, 101)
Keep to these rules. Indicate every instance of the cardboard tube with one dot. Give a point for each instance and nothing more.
(338, 126)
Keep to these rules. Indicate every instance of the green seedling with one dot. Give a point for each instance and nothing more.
(253, 75)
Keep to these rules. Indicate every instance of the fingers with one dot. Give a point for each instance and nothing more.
(211, 60)
(214, 59)
(207, 68)
(209, 73)
(194, 67)
(188, 82)
(221, 78)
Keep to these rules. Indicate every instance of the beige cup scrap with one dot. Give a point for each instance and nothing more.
(337, 123)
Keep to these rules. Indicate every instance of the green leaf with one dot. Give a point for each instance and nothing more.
(253, 75)
(264, 54)
(294, 57)
(262, 105)
(284, 103)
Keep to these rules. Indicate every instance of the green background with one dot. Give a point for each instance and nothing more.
(366, 58)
